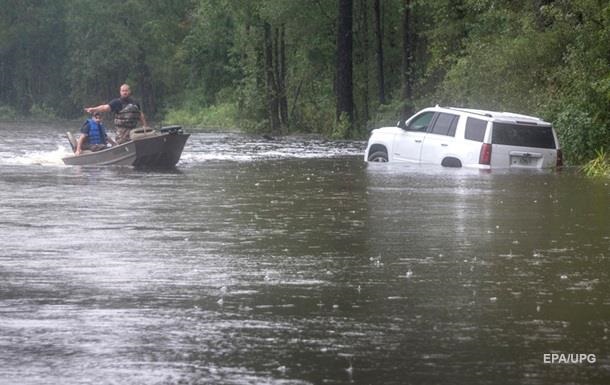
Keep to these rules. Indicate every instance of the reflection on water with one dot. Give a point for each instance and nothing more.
(292, 262)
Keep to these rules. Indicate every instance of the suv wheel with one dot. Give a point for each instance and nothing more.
(451, 162)
(378, 156)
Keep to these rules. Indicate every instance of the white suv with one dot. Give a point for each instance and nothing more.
(460, 137)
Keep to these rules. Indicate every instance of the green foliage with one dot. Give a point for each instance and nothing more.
(219, 116)
(579, 133)
(341, 128)
(386, 115)
(315, 114)
(8, 113)
(598, 166)
(209, 50)
(29, 32)
(506, 71)
(578, 90)
(37, 111)
(41, 111)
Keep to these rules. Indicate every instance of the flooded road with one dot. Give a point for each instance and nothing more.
(293, 262)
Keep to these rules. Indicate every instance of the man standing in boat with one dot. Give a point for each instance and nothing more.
(127, 113)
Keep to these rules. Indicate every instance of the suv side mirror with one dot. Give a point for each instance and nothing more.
(402, 124)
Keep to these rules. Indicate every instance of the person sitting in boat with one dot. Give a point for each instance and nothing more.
(127, 113)
(93, 135)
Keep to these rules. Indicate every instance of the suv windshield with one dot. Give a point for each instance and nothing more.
(523, 135)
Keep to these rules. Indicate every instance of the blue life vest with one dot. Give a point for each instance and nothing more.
(97, 134)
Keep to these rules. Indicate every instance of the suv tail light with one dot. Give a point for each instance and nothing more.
(485, 154)
(559, 158)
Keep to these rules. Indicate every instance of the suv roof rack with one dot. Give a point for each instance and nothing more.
(489, 114)
(506, 116)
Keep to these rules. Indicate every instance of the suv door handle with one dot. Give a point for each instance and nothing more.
(417, 140)
(444, 144)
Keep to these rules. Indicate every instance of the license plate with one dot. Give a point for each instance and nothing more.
(521, 160)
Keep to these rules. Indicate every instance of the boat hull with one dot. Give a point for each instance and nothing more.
(154, 151)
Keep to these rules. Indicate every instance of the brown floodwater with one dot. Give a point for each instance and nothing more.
(293, 262)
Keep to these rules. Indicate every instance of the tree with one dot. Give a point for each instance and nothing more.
(379, 50)
(344, 86)
(408, 47)
(32, 54)
(281, 73)
(308, 65)
(275, 77)
(271, 81)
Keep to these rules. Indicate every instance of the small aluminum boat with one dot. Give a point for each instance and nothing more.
(147, 149)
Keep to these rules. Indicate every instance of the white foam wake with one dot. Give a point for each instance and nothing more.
(32, 157)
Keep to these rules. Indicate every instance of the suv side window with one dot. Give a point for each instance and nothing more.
(475, 129)
(445, 124)
(421, 122)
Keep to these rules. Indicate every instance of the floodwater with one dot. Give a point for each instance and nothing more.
(294, 262)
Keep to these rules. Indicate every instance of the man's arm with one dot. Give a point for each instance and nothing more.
(100, 108)
(143, 119)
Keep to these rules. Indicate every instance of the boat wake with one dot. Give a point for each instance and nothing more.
(37, 147)
(43, 158)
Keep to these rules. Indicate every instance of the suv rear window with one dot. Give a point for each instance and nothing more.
(523, 135)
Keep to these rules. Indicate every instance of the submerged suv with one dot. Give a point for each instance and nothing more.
(460, 137)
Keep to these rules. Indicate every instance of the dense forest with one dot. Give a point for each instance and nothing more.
(334, 67)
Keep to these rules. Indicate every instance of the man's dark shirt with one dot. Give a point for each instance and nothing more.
(118, 104)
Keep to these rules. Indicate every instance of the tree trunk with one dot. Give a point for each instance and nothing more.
(270, 82)
(146, 89)
(379, 50)
(344, 86)
(281, 66)
(408, 43)
(363, 27)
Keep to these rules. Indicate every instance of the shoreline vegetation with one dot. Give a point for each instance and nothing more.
(219, 117)
(208, 120)
(598, 166)
(335, 68)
